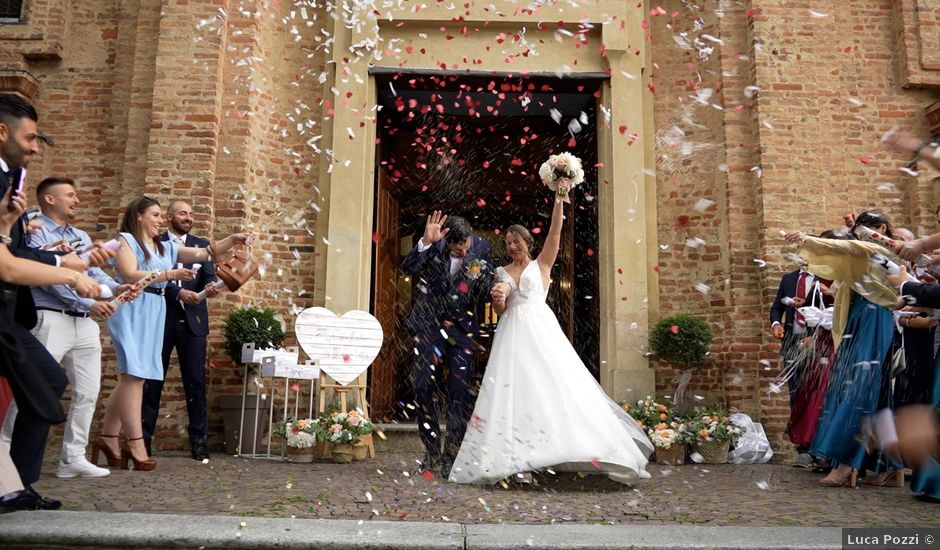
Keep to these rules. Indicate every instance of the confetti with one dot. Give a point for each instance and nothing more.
(703, 204)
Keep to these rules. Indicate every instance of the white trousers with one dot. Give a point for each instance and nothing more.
(74, 342)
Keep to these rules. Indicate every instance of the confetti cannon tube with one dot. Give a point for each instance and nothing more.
(872, 236)
(137, 287)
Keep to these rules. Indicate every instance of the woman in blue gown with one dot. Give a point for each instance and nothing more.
(863, 331)
(137, 328)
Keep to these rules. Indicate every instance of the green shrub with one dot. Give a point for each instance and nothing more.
(252, 324)
(682, 340)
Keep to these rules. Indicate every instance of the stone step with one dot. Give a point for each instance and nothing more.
(98, 530)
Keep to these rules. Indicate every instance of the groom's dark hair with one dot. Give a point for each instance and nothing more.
(459, 229)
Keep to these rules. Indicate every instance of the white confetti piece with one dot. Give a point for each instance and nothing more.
(703, 288)
(818, 14)
(763, 485)
(703, 204)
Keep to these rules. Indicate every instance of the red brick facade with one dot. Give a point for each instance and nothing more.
(209, 100)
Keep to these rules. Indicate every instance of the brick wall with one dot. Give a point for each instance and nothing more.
(798, 154)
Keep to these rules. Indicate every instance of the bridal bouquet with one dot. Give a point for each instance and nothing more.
(564, 165)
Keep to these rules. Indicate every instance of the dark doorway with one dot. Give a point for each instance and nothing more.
(472, 145)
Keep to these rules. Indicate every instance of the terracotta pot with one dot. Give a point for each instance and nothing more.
(343, 453)
(673, 456)
(299, 455)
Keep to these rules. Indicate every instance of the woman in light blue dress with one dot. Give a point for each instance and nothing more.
(137, 327)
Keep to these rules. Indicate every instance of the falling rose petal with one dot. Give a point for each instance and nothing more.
(463, 287)
(864, 159)
(211, 364)
(536, 230)
(682, 221)
(295, 387)
(345, 358)
(428, 475)
(376, 238)
(674, 329)
(596, 462)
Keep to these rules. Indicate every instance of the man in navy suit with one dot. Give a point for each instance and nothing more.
(187, 325)
(787, 325)
(452, 279)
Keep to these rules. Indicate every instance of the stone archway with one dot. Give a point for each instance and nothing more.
(603, 39)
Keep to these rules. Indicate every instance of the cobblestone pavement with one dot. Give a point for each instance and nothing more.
(388, 487)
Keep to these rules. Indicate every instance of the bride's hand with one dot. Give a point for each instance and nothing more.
(499, 292)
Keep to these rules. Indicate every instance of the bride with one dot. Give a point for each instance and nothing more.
(539, 407)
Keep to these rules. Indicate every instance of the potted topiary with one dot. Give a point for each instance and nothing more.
(251, 325)
(683, 341)
(243, 326)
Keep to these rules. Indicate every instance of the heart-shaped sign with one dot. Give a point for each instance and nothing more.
(343, 346)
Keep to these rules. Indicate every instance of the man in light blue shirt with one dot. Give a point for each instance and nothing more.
(66, 323)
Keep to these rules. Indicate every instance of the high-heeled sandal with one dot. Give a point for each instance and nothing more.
(128, 456)
(99, 446)
(850, 480)
(889, 478)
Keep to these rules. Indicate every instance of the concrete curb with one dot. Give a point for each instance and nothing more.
(64, 529)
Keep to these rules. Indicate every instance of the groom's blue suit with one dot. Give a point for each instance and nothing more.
(445, 305)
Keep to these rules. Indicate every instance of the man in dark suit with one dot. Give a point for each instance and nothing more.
(452, 279)
(19, 143)
(187, 325)
(787, 325)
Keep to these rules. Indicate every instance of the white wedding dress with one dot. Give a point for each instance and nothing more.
(539, 407)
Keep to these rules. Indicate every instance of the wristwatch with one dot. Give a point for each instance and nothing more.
(5, 240)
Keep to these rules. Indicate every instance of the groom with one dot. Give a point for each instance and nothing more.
(450, 267)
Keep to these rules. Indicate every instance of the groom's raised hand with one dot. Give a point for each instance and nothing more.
(433, 231)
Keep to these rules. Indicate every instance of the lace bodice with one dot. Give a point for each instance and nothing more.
(530, 287)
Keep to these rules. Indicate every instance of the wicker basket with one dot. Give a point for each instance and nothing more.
(713, 452)
(299, 455)
(343, 453)
(360, 450)
(673, 456)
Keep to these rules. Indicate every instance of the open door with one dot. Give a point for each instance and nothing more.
(386, 258)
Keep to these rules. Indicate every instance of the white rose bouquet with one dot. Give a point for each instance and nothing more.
(561, 173)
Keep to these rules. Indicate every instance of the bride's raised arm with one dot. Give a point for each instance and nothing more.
(552, 244)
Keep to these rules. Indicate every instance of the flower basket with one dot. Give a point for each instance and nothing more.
(343, 453)
(673, 456)
(300, 456)
(360, 450)
(713, 452)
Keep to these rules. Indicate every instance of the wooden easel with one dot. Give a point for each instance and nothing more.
(327, 383)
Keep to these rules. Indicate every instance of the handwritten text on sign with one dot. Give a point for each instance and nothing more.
(343, 346)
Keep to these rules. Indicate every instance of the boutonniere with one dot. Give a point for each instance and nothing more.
(475, 268)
